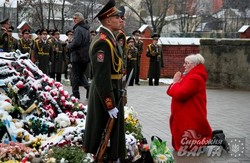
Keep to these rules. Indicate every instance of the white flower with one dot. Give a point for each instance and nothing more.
(160, 158)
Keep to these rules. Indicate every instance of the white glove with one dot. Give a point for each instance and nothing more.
(113, 112)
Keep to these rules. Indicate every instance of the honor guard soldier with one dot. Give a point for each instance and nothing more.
(25, 44)
(4, 41)
(12, 41)
(42, 52)
(154, 52)
(121, 39)
(132, 54)
(58, 57)
(67, 69)
(139, 46)
(105, 100)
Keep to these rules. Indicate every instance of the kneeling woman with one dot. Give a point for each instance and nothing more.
(188, 121)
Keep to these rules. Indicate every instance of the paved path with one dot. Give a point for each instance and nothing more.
(228, 110)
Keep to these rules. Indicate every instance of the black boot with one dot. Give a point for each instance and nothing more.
(87, 93)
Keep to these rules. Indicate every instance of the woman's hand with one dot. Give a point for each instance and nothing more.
(177, 77)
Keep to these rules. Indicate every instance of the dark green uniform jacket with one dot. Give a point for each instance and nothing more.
(25, 45)
(105, 94)
(4, 42)
(43, 52)
(58, 57)
(154, 52)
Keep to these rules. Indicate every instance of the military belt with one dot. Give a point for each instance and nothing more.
(41, 53)
(133, 59)
(116, 76)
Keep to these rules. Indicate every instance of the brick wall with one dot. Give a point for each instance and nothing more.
(173, 58)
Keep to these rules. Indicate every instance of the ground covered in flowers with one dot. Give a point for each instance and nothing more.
(38, 117)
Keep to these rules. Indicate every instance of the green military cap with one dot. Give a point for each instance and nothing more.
(4, 21)
(136, 31)
(108, 10)
(69, 32)
(122, 14)
(155, 36)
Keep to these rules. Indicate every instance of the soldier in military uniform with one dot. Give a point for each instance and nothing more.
(25, 44)
(121, 39)
(12, 41)
(4, 41)
(67, 70)
(38, 37)
(132, 54)
(139, 46)
(58, 57)
(105, 92)
(42, 52)
(154, 52)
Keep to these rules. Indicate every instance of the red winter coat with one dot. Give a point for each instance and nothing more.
(188, 118)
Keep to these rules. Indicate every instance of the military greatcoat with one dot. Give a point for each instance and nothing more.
(43, 51)
(105, 94)
(58, 57)
(154, 52)
(25, 45)
(4, 43)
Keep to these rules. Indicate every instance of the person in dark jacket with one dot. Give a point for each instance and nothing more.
(105, 101)
(79, 57)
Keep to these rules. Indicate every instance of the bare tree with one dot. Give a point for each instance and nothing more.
(156, 11)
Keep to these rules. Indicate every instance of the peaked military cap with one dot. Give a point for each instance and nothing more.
(55, 31)
(93, 31)
(69, 31)
(108, 10)
(130, 38)
(37, 31)
(136, 31)
(155, 35)
(122, 14)
(25, 30)
(43, 30)
(4, 20)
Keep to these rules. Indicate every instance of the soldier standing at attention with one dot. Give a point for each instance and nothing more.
(12, 41)
(121, 39)
(139, 46)
(105, 93)
(154, 52)
(25, 44)
(132, 54)
(43, 51)
(4, 41)
(69, 35)
(58, 57)
(38, 37)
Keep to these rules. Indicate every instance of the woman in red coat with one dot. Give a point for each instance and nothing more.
(188, 121)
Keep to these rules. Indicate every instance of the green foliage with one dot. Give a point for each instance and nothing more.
(135, 130)
(72, 154)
